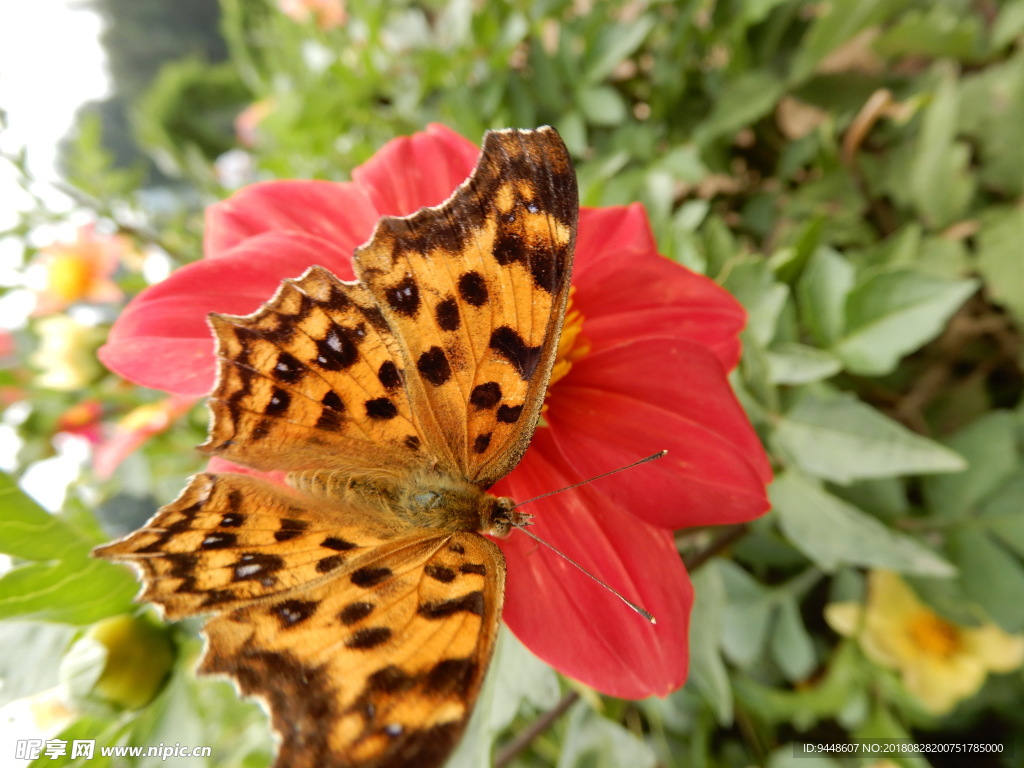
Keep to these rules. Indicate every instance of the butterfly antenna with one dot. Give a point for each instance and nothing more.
(652, 457)
(646, 614)
(643, 612)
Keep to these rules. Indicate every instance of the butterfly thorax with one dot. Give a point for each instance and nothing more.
(422, 498)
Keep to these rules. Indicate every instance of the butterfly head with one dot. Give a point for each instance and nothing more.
(502, 517)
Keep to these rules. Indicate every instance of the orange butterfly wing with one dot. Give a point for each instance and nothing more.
(365, 609)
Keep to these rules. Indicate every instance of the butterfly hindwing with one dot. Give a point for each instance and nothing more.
(370, 651)
(475, 292)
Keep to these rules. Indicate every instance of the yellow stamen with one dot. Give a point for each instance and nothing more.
(934, 635)
(571, 346)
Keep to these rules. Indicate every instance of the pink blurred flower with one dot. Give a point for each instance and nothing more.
(135, 428)
(328, 14)
(80, 271)
(84, 419)
(248, 121)
(643, 367)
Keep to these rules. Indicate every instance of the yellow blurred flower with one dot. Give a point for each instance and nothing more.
(66, 357)
(328, 14)
(939, 662)
(81, 270)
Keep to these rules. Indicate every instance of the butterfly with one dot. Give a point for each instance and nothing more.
(361, 601)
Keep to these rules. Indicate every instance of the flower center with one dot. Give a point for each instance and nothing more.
(571, 345)
(934, 635)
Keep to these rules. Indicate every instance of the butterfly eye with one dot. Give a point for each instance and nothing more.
(426, 499)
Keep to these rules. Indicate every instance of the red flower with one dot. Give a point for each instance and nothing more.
(643, 369)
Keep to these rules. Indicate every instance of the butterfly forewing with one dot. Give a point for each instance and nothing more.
(475, 291)
(310, 380)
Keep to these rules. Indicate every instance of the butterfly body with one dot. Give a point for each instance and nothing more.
(360, 601)
(419, 499)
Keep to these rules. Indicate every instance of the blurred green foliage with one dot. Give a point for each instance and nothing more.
(851, 171)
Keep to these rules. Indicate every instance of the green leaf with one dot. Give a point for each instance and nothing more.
(29, 532)
(32, 668)
(753, 283)
(843, 439)
(792, 647)
(940, 183)
(793, 363)
(746, 99)
(602, 105)
(77, 590)
(747, 615)
(615, 43)
(821, 294)
(592, 741)
(893, 313)
(831, 532)
(989, 447)
(941, 31)
(836, 24)
(991, 576)
(1001, 513)
(707, 670)
(1000, 260)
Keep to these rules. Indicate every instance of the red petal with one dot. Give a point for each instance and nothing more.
(411, 172)
(571, 622)
(161, 340)
(622, 403)
(626, 290)
(338, 213)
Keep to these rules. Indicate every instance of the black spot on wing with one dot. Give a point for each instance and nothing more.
(389, 680)
(381, 409)
(337, 544)
(292, 612)
(447, 314)
(473, 602)
(290, 529)
(355, 612)
(369, 637)
(329, 563)
(473, 289)
(510, 345)
(434, 367)
(338, 350)
(485, 396)
(508, 247)
(370, 576)
(388, 375)
(481, 443)
(288, 369)
(257, 566)
(217, 540)
(404, 296)
(440, 573)
(451, 676)
(509, 414)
